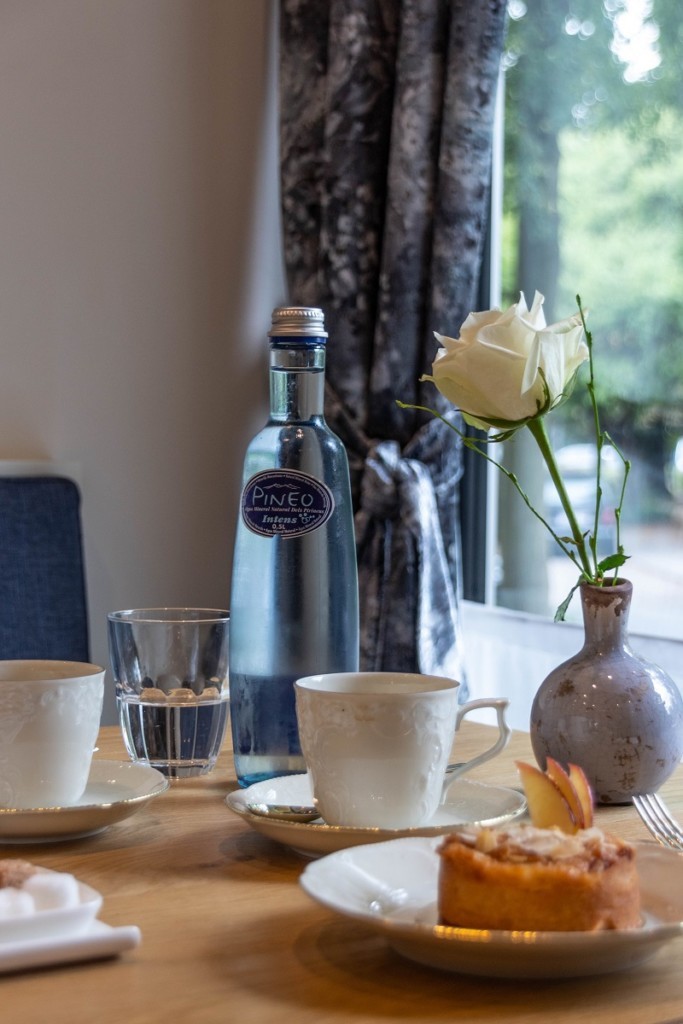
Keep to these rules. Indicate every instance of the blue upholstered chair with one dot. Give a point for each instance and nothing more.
(43, 610)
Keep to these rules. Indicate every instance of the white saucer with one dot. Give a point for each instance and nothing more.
(115, 790)
(392, 887)
(467, 803)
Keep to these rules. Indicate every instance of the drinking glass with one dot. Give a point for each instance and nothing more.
(170, 666)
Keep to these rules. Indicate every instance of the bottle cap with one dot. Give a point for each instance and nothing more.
(298, 321)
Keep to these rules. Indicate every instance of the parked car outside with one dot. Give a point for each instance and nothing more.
(674, 472)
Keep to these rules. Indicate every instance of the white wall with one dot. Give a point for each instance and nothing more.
(140, 260)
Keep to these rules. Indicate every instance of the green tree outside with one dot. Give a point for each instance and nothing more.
(594, 205)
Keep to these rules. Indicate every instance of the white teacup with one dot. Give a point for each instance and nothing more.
(376, 744)
(49, 719)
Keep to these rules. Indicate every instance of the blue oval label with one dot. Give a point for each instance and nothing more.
(285, 503)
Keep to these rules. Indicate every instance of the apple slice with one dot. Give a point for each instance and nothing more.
(565, 785)
(546, 802)
(581, 785)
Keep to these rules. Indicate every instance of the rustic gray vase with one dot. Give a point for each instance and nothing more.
(606, 709)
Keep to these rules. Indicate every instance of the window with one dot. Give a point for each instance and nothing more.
(593, 204)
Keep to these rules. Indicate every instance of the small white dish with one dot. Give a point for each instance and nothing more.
(115, 790)
(392, 887)
(96, 942)
(467, 802)
(59, 921)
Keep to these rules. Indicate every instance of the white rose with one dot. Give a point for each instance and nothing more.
(506, 368)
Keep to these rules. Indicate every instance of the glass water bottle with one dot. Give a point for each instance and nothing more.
(294, 601)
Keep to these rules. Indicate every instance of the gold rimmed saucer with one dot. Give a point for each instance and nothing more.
(115, 790)
(392, 888)
(467, 802)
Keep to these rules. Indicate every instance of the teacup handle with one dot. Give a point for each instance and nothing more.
(500, 705)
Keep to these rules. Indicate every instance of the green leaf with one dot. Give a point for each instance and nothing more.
(503, 436)
(612, 562)
(562, 609)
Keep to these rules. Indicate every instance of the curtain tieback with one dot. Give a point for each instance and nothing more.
(399, 493)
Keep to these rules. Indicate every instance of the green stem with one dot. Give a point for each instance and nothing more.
(599, 437)
(540, 435)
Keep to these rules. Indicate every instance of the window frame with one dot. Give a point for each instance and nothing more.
(505, 651)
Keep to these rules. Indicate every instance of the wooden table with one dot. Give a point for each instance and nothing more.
(229, 936)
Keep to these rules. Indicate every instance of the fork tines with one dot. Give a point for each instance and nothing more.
(658, 819)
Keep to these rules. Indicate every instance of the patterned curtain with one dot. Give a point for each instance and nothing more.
(386, 114)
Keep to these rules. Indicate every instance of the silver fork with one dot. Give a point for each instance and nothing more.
(658, 820)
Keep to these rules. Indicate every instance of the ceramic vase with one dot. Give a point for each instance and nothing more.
(616, 715)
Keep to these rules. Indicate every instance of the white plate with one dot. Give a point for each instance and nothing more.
(392, 887)
(115, 790)
(467, 803)
(99, 940)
